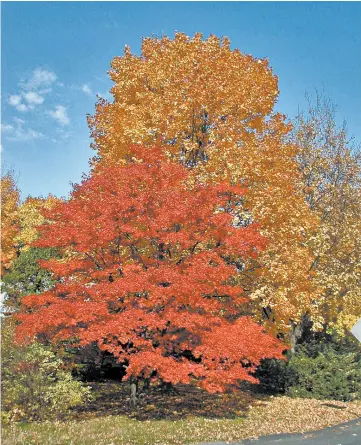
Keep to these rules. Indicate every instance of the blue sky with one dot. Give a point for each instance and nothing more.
(55, 56)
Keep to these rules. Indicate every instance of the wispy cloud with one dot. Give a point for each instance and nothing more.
(32, 90)
(61, 135)
(87, 90)
(19, 133)
(106, 95)
(40, 78)
(60, 114)
(6, 128)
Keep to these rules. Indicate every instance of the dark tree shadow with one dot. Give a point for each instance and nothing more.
(113, 398)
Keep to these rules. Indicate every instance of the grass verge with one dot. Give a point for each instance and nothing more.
(157, 426)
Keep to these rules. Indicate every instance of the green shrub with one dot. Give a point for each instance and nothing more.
(272, 375)
(328, 375)
(27, 277)
(35, 385)
(325, 367)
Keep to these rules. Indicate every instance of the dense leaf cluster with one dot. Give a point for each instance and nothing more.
(326, 367)
(35, 384)
(150, 275)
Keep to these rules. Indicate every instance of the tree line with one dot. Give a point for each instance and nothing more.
(211, 234)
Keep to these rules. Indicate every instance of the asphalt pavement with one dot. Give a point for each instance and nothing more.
(344, 434)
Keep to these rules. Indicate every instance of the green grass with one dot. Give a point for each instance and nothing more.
(120, 430)
(186, 416)
(277, 415)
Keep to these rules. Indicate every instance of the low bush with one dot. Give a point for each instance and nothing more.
(328, 375)
(35, 385)
(323, 368)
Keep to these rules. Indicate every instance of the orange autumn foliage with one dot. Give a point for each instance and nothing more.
(211, 107)
(149, 275)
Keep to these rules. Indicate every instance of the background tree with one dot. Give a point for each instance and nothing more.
(331, 181)
(212, 108)
(149, 275)
(31, 217)
(27, 277)
(10, 198)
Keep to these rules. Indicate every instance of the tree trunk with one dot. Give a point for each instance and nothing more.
(294, 334)
(133, 392)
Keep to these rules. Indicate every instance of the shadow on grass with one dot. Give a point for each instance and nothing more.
(332, 405)
(112, 398)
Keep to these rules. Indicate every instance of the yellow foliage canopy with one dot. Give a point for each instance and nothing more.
(331, 182)
(212, 107)
(9, 220)
(19, 221)
(31, 217)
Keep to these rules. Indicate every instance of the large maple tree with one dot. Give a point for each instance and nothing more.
(150, 275)
(212, 108)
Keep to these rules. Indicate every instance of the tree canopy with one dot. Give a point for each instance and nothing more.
(149, 274)
(10, 198)
(331, 182)
(211, 108)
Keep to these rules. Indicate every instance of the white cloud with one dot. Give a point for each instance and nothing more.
(33, 90)
(32, 97)
(40, 78)
(60, 114)
(14, 100)
(19, 133)
(87, 90)
(22, 107)
(6, 128)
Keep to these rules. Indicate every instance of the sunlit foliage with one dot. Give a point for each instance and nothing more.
(212, 108)
(150, 275)
(10, 198)
(331, 181)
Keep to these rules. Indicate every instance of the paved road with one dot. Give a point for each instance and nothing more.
(344, 434)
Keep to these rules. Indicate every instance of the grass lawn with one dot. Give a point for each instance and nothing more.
(187, 416)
